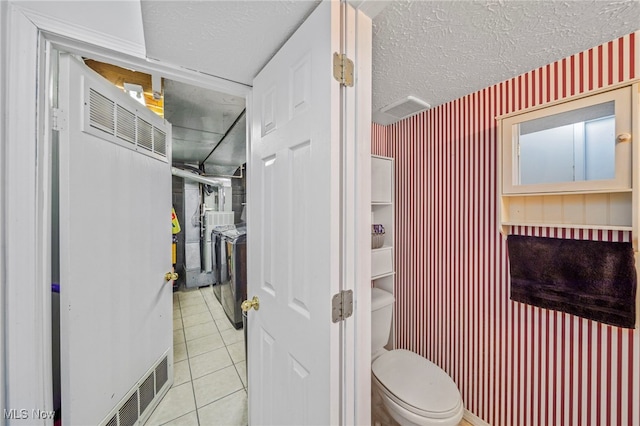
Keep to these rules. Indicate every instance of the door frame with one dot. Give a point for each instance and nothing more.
(26, 41)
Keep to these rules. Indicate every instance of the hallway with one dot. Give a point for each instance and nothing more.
(210, 385)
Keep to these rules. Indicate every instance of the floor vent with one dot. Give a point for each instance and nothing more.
(118, 123)
(130, 410)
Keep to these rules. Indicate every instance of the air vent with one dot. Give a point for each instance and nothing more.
(128, 414)
(160, 142)
(101, 112)
(126, 125)
(146, 392)
(145, 134)
(113, 421)
(162, 374)
(118, 123)
(406, 107)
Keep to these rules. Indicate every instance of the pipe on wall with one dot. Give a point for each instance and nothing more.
(206, 180)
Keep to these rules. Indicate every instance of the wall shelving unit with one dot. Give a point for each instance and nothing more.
(382, 212)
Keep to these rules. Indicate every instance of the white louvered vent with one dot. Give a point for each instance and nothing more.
(124, 125)
(159, 142)
(162, 374)
(129, 411)
(113, 421)
(101, 112)
(146, 391)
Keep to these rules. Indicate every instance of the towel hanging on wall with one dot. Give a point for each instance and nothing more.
(591, 279)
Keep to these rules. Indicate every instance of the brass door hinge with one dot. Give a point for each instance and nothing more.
(343, 69)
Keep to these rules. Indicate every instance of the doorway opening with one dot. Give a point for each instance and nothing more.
(208, 195)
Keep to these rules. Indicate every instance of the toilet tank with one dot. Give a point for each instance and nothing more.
(381, 314)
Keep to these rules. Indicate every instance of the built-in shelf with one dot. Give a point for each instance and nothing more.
(388, 274)
(382, 212)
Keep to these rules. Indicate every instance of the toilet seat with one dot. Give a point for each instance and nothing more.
(417, 385)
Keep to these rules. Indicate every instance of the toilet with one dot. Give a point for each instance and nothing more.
(407, 389)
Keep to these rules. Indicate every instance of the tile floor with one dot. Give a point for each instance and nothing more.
(209, 372)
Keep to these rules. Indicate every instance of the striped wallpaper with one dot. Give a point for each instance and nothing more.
(515, 364)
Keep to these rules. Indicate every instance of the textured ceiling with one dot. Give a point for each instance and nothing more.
(228, 39)
(442, 50)
(435, 50)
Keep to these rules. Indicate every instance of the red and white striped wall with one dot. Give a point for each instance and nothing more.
(515, 364)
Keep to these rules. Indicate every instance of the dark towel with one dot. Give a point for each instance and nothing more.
(591, 279)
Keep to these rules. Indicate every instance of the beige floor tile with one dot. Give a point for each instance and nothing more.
(218, 314)
(189, 295)
(181, 373)
(200, 330)
(232, 336)
(230, 410)
(178, 336)
(216, 385)
(204, 344)
(177, 323)
(176, 403)
(190, 419)
(194, 309)
(191, 300)
(236, 350)
(241, 368)
(179, 352)
(194, 304)
(177, 313)
(223, 324)
(201, 318)
(209, 362)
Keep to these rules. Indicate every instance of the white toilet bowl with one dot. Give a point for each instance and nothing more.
(415, 391)
(412, 390)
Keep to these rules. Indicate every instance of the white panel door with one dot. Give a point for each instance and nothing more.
(294, 229)
(115, 245)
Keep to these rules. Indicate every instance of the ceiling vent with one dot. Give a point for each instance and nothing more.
(406, 107)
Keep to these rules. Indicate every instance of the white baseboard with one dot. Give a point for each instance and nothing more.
(473, 419)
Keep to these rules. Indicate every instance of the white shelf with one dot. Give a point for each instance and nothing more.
(388, 274)
(382, 212)
(571, 226)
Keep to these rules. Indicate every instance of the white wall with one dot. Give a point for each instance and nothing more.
(118, 21)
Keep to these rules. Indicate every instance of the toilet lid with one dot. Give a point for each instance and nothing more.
(416, 381)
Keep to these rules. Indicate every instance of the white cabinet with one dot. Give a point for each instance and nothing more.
(591, 185)
(382, 212)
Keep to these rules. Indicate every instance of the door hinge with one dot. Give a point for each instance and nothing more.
(342, 305)
(343, 69)
(57, 119)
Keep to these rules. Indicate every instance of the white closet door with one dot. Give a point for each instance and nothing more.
(115, 248)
